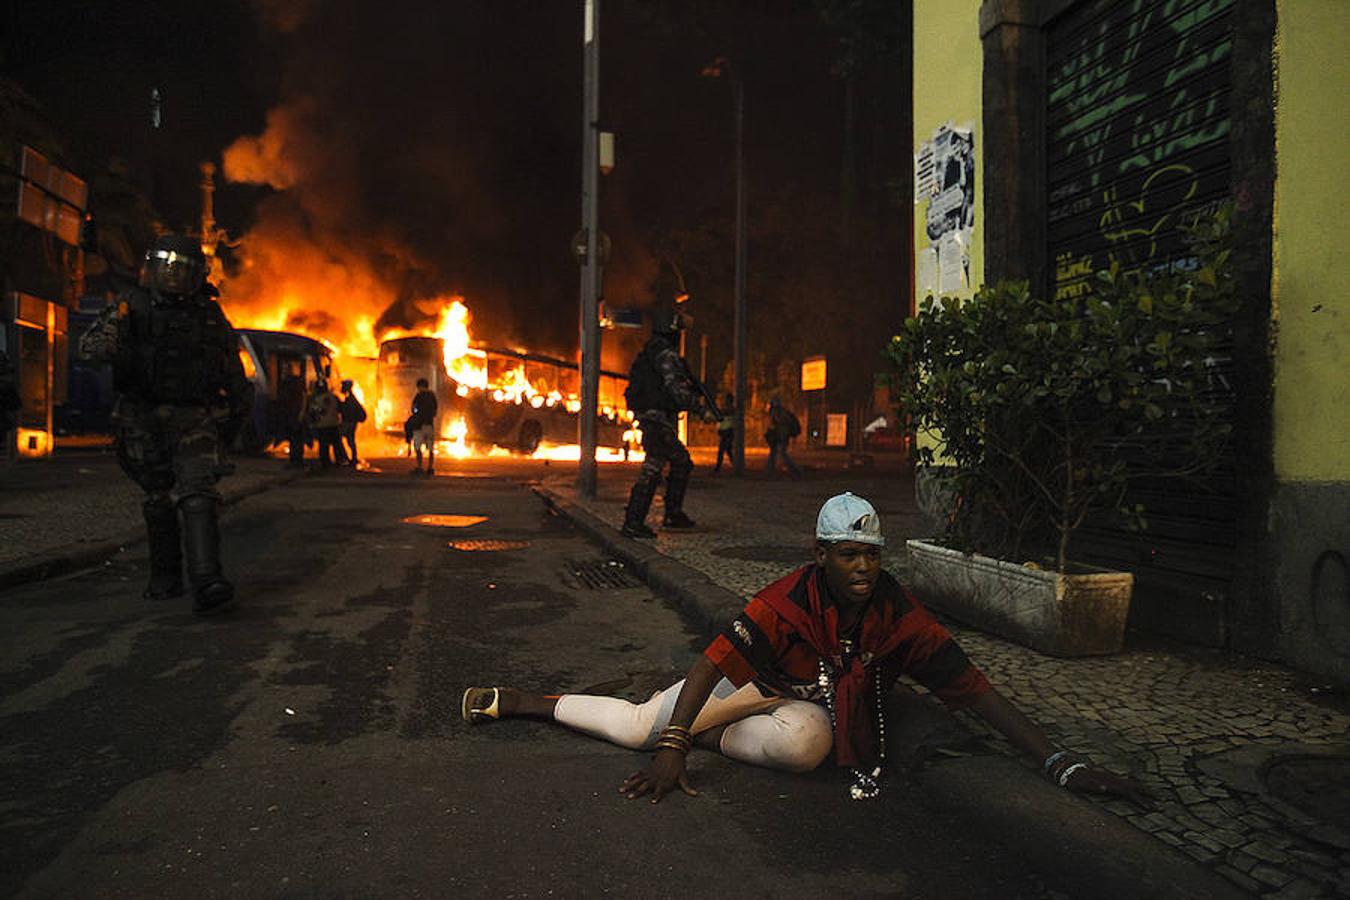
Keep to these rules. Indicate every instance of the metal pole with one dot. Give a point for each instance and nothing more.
(703, 358)
(739, 326)
(590, 270)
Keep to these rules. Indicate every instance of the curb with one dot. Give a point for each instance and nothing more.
(75, 557)
(1088, 850)
(1078, 848)
(709, 605)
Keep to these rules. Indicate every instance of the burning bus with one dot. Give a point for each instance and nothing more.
(489, 400)
(491, 397)
(269, 358)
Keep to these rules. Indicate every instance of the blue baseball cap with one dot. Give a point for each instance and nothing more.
(848, 517)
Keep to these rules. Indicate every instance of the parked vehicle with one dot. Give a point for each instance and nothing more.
(268, 356)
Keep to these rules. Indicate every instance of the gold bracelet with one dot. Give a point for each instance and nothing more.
(684, 745)
(676, 728)
(676, 739)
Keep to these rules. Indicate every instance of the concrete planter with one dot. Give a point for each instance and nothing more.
(1063, 615)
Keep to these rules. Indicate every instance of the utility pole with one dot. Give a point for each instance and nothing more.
(590, 268)
(739, 326)
(716, 69)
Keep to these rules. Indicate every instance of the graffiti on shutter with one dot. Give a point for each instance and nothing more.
(1138, 121)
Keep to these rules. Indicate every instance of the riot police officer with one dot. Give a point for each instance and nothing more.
(660, 386)
(181, 397)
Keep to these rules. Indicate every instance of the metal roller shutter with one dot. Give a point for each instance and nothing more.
(1137, 120)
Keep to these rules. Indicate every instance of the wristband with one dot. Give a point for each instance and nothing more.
(1064, 776)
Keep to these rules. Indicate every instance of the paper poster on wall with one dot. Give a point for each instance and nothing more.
(923, 172)
(944, 177)
(926, 271)
(953, 264)
(952, 207)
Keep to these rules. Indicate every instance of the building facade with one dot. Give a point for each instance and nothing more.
(1055, 137)
(41, 278)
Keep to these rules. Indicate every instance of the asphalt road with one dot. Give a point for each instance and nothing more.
(309, 744)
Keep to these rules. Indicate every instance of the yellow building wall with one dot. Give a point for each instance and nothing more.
(1312, 244)
(948, 68)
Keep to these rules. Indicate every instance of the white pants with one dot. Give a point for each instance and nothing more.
(767, 731)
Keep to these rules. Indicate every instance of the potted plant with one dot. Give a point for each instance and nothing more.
(1042, 413)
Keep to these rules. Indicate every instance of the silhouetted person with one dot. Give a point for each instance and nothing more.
(351, 414)
(659, 388)
(291, 409)
(323, 419)
(181, 397)
(783, 427)
(421, 426)
(726, 433)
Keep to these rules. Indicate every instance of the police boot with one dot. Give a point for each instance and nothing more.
(166, 553)
(211, 592)
(635, 514)
(675, 516)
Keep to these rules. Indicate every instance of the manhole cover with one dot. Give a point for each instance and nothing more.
(487, 545)
(444, 521)
(765, 553)
(601, 574)
(1317, 785)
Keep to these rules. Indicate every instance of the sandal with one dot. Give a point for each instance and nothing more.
(479, 705)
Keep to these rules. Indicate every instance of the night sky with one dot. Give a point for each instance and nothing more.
(408, 149)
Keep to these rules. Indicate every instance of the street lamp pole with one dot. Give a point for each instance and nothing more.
(590, 269)
(739, 324)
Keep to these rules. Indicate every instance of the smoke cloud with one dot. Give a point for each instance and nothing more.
(418, 151)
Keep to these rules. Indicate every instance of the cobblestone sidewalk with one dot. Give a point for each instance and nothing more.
(1249, 761)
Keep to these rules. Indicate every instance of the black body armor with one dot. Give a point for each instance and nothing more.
(179, 351)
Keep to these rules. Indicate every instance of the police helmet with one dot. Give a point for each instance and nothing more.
(174, 264)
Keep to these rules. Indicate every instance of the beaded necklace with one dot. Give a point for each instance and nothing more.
(866, 785)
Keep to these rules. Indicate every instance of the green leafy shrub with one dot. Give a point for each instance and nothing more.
(1047, 410)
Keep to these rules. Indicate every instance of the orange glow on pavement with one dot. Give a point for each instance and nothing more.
(438, 520)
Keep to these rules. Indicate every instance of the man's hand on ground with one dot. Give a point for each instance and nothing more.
(660, 778)
(1089, 780)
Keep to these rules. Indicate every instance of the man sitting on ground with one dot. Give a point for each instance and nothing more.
(804, 670)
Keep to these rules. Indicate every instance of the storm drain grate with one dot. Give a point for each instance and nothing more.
(600, 574)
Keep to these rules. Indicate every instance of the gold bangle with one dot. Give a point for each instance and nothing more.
(676, 728)
(676, 739)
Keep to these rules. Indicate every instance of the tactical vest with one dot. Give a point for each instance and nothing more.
(173, 351)
(646, 385)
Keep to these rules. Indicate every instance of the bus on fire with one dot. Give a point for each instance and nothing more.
(495, 397)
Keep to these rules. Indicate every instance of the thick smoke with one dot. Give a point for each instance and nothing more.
(419, 150)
